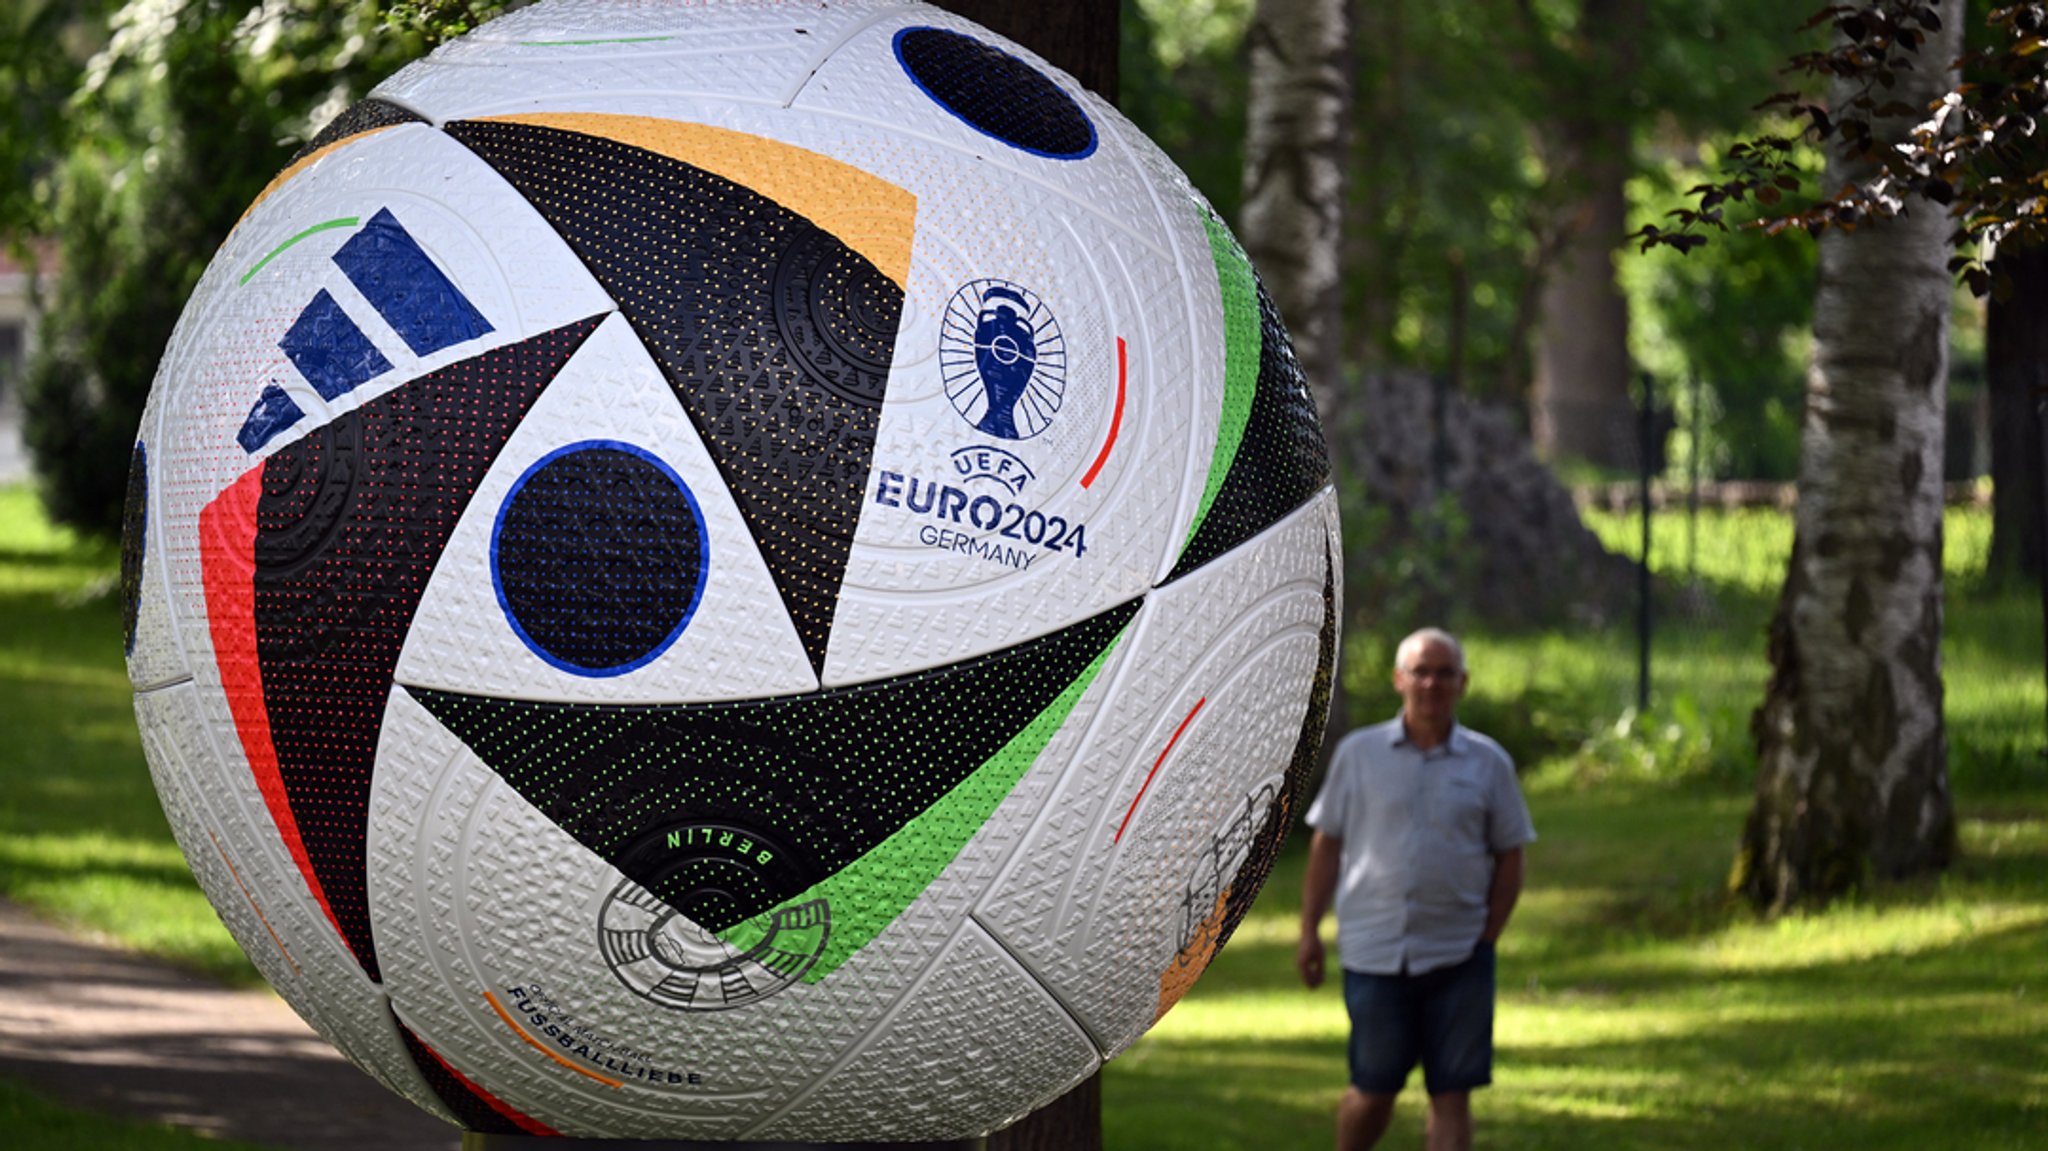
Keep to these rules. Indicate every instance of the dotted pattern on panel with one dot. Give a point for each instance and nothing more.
(1000, 95)
(359, 117)
(726, 810)
(775, 335)
(134, 544)
(476, 1111)
(947, 1028)
(1244, 888)
(599, 557)
(1280, 461)
(349, 526)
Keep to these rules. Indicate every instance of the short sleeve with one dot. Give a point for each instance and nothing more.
(1508, 825)
(1326, 814)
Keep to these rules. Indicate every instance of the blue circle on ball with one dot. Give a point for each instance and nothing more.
(599, 557)
(995, 93)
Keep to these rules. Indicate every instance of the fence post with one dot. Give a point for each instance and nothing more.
(1646, 420)
(1692, 485)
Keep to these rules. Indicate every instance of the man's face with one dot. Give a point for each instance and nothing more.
(1430, 682)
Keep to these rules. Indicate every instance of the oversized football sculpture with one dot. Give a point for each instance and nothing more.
(730, 571)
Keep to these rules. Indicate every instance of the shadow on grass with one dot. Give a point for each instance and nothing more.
(102, 1030)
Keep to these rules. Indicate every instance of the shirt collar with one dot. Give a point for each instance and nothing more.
(1453, 744)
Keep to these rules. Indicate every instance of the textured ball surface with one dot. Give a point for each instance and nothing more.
(730, 571)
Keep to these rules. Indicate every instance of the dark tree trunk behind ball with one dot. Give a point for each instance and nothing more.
(1080, 38)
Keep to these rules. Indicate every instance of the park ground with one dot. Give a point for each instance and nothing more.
(1640, 1007)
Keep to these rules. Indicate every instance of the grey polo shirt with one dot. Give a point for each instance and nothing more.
(1420, 831)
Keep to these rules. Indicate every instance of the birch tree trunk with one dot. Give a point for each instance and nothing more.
(1297, 131)
(1297, 123)
(1852, 775)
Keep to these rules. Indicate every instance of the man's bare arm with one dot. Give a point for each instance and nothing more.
(1508, 869)
(1317, 890)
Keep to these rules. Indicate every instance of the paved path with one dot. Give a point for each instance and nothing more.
(108, 1032)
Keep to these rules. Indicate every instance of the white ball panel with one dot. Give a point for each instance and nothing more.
(159, 656)
(740, 642)
(462, 905)
(1099, 917)
(925, 587)
(233, 850)
(938, 1067)
(550, 56)
(474, 891)
(226, 346)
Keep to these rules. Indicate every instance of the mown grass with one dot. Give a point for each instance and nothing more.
(1640, 1008)
(82, 838)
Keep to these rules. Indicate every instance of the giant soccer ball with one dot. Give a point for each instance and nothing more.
(731, 572)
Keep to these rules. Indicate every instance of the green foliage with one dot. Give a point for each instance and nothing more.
(44, 46)
(1726, 328)
(177, 123)
(442, 20)
(1183, 80)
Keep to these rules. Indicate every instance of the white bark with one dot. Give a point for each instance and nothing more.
(1297, 118)
(1852, 774)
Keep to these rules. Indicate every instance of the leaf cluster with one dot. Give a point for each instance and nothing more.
(1973, 152)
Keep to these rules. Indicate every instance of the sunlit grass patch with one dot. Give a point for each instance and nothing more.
(82, 836)
(1642, 1008)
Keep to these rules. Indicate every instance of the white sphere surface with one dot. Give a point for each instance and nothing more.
(731, 571)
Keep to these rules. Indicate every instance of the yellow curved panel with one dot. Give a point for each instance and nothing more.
(866, 213)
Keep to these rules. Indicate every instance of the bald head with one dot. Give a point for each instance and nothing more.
(1404, 655)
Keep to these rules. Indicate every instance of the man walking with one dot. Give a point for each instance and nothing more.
(1419, 831)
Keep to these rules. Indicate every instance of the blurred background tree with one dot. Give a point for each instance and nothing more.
(139, 158)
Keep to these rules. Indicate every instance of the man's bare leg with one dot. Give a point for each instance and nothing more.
(1362, 1119)
(1450, 1122)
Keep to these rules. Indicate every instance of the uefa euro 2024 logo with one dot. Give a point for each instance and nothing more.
(1003, 359)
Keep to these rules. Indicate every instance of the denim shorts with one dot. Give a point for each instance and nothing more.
(1442, 1019)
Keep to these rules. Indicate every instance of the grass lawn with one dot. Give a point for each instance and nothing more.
(82, 838)
(1639, 1008)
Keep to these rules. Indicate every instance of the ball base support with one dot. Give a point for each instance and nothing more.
(480, 1141)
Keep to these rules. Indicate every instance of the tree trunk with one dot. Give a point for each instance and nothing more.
(1580, 394)
(1081, 38)
(1297, 127)
(2016, 368)
(1581, 407)
(1297, 132)
(1852, 776)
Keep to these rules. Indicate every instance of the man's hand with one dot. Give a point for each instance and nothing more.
(1325, 853)
(1308, 958)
